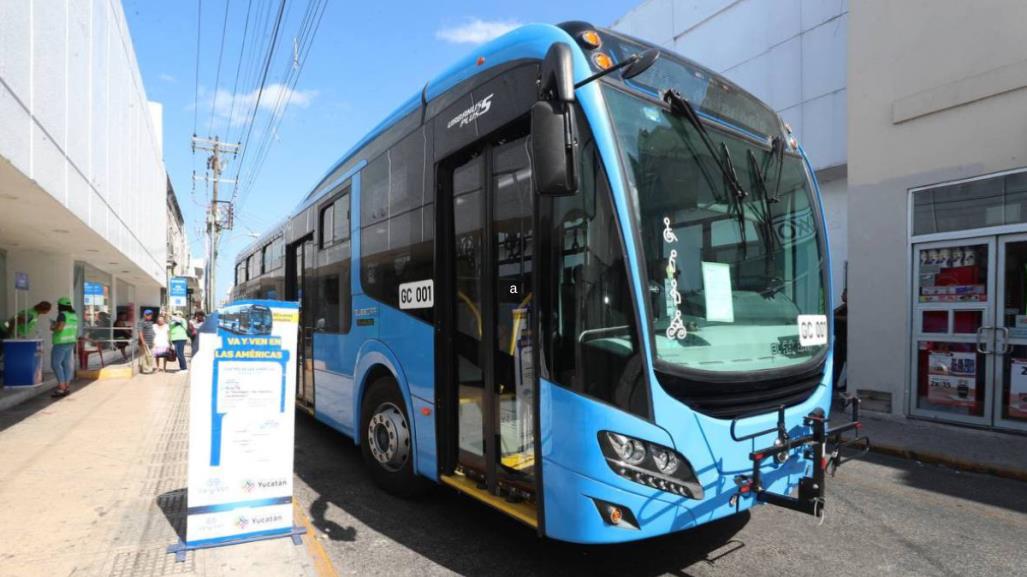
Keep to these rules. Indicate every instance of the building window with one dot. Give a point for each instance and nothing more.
(397, 229)
(978, 203)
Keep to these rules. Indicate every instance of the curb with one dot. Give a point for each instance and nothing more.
(322, 563)
(951, 462)
(27, 393)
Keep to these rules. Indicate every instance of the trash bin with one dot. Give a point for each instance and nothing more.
(23, 362)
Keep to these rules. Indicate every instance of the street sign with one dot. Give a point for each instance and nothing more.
(177, 290)
(21, 281)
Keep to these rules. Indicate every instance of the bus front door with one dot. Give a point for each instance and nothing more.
(491, 345)
(299, 268)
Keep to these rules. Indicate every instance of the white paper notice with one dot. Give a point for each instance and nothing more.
(249, 386)
(716, 279)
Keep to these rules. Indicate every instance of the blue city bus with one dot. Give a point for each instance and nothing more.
(579, 279)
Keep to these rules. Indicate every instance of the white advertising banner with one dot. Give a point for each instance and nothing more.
(242, 424)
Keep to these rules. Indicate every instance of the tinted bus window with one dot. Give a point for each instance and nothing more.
(592, 341)
(333, 299)
(397, 230)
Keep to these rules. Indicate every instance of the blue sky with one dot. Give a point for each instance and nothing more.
(365, 60)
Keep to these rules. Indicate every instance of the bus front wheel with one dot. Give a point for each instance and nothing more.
(387, 439)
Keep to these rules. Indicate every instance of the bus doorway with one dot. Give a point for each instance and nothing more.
(488, 343)
(299, 284)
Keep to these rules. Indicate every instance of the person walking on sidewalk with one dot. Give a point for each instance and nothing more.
(179, 336)
(195, 324)
(146, 362)
(23, 324)
(65, 334)
(161, 343)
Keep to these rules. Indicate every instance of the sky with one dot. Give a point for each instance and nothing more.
(363, 60)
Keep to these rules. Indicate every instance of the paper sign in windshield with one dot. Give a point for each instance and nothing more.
(812, 330)
(716, 278)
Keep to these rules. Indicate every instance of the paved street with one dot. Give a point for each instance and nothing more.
(887, 516)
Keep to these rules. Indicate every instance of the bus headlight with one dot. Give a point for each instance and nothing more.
(666, 461)
(650, 464)
(629, 450)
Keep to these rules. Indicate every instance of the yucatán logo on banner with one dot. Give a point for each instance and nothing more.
(476, 110)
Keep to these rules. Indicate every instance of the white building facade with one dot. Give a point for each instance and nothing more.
(789, 53)
(82, 179)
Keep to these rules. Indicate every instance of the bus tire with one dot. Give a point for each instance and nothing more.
(387, 439)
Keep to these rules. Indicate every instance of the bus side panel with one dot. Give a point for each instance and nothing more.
(374, 353)
(333, 380)
(413, 342)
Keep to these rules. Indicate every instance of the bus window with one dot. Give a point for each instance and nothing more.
(397, 236)
(333, 292)
(592, 342)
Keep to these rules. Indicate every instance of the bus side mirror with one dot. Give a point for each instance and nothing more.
(554, 148)
(554, 138)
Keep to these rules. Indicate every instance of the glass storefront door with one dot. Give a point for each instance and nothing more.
(970, 331)
(953, 329)
(1010, 404)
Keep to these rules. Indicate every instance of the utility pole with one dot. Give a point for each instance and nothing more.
(219, 213)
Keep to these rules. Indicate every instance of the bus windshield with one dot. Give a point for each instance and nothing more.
(729, 272)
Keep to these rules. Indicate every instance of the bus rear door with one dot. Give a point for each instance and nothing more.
(300, 283)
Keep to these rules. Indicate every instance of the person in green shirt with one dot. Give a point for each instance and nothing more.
(23, 324)
(179, 336)
(65, 335)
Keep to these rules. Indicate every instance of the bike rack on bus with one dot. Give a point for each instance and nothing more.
(823, 446)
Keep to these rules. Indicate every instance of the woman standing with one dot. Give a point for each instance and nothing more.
(161, 343)
(65, 334)
(195, 324)
(179, 336)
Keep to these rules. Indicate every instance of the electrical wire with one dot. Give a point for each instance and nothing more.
(260, 93)
(196, 94)
(238, 68)
(217, 77)
(308, 31)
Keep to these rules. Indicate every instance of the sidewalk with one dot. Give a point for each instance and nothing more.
(994, 453)
(94, 485)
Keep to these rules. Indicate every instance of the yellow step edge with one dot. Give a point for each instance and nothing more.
(118, 372)
(524, 512)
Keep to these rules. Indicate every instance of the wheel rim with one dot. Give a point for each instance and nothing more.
(388, 437)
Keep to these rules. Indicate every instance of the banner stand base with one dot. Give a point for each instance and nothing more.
(181, 548)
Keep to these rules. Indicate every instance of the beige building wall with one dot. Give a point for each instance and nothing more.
(937, 92)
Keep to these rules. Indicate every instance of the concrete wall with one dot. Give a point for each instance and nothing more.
(789, 53)
(937, 93)
(74, 119)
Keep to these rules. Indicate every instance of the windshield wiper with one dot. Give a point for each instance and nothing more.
(679, 106)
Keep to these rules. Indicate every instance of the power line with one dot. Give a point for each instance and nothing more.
(238, 68)
(196, 95)
(260, 92)
(308, 31)
(217, 77)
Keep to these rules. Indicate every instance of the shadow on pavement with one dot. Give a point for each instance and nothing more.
(172, 504)
(18, 413)
(1005, 493)
(466, 536)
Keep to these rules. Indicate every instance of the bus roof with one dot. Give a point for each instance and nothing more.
(505, 48)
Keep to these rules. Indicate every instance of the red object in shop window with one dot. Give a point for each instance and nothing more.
(935, 322)
(960, 275)
(966, 321)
